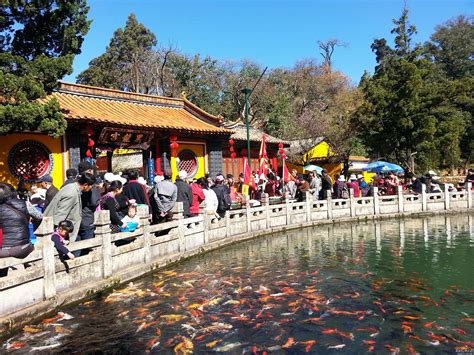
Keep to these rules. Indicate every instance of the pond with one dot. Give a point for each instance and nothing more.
(392, 286)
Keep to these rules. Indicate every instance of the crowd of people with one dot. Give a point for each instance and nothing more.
(73, 206)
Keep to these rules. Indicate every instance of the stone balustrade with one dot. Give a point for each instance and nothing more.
(41, 282)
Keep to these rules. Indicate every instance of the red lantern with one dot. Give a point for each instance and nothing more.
(174, 146)
(231, 149)
(281, 151)
(280, 145)
(231, 141)
(233, 155)
(283, 156)
(90, 142)
(173, 138)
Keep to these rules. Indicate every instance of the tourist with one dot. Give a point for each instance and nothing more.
(210, 200)
(290, 187)
(46, 182)
(470, 178)
(60, 239)
(134, 190)
(301, 189)
(340, 188)
(109, 202)
(67, 203)
(198, 196)
(223, 197)
(184, 194)
(354, 185)
(326, 185)
(363, 187)
(14, 225)
(165, 195)
(270, 186)
(314, 184)
(89, 202)
(132, 216)
(231, 187)
(71, 175)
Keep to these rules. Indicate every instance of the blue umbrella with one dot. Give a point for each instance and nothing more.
(383, 167)
(312, 167)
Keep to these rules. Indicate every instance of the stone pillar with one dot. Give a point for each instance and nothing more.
(424, 198)
(352, 202)
(400, 199)
(376, 201)
(447, 199)
(248, 213)
(266, 202)
(329, 201)
(102, 230)
(206, 222)
(309, 201)
(227, 224)
(469, 194)
(143, 213)
(288, 211)
(178, 215)
(43, 234)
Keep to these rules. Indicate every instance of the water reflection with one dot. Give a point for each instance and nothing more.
(401, 285)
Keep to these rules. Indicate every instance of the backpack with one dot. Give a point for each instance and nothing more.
(345, 192)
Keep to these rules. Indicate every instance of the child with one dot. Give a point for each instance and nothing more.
(131, 215)
(60, 238)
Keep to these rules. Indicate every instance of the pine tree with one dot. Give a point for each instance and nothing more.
(38, 42)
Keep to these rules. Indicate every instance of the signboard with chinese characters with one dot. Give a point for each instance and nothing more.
(126, 137)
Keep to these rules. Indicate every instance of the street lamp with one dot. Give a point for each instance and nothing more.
(247, 93)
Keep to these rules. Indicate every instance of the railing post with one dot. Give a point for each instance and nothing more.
(248, 213)
(352, 202)
(227, 223)
(308, 200)
(143, 213)
(102, 230)
(447, 199)
(376, 201)
(329, 201)
(178, 213)
(469, 194)
(400, 199)
(424, 198)
(205, 221)
(43, 233)
(288, 211)
(265, 200)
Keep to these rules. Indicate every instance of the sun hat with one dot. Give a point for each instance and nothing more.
(359, 176)
(352, 177)
(341, 178)
(182, 174)
(158, 178)
(112, 177)
(141, 180)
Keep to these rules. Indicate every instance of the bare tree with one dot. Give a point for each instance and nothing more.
(327, 50)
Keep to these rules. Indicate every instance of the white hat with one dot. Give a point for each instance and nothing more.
(158, 178)
(141, 180)
(112, 177)
(109, 177)
(432, 172)
(341, 178)
(359, 176)
(183, 174)
(352, 177)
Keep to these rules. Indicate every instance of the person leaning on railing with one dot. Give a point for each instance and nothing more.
(14, 225)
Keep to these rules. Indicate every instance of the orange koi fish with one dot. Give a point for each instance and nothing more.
(289, 343)
(308, 344)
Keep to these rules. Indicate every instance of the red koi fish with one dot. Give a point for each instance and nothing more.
(308, 344)
(289, 343)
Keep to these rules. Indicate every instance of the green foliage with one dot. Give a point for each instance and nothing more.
(413, 111)
(123, 65)
(38, 42)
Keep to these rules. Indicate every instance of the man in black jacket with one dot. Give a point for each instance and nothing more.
(89, 200)
(134, 190)
(223, 197)
(185, 193)
(46, 182)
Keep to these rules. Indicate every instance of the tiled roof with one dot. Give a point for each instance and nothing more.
(240, 134)
(82, 102)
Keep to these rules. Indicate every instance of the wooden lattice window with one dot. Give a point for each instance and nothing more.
(30, 160)
(188, 162)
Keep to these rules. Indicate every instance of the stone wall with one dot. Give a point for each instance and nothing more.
(28, 293)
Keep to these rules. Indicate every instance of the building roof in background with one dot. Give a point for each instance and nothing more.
(88, 103)
(240, 134)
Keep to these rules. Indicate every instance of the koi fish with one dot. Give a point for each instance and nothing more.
(460, 331)
(309, 344)
(468, 319)
(15, 345)
(338, 332)
(340, 346)
(228, 347)
(289, 343)
(153, 343)
(173, 317)
(213, 343)
(28, 329)
(186, 346)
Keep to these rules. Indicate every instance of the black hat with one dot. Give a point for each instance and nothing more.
(230, 176)
(71, 173)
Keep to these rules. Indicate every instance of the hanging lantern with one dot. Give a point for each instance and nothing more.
(231, 148)
(281, 151)
(231, 141)
(174, 146)
(90, 142)
(233, 155)
(283, 156)
(280, 145)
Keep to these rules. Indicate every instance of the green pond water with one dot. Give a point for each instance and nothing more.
(394, 286)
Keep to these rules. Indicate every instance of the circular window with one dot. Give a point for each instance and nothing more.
(30, 160)
(188, 162)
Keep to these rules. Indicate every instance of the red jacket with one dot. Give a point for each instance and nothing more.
(198, 197)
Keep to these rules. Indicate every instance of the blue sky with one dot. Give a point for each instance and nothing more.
(274, 33)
